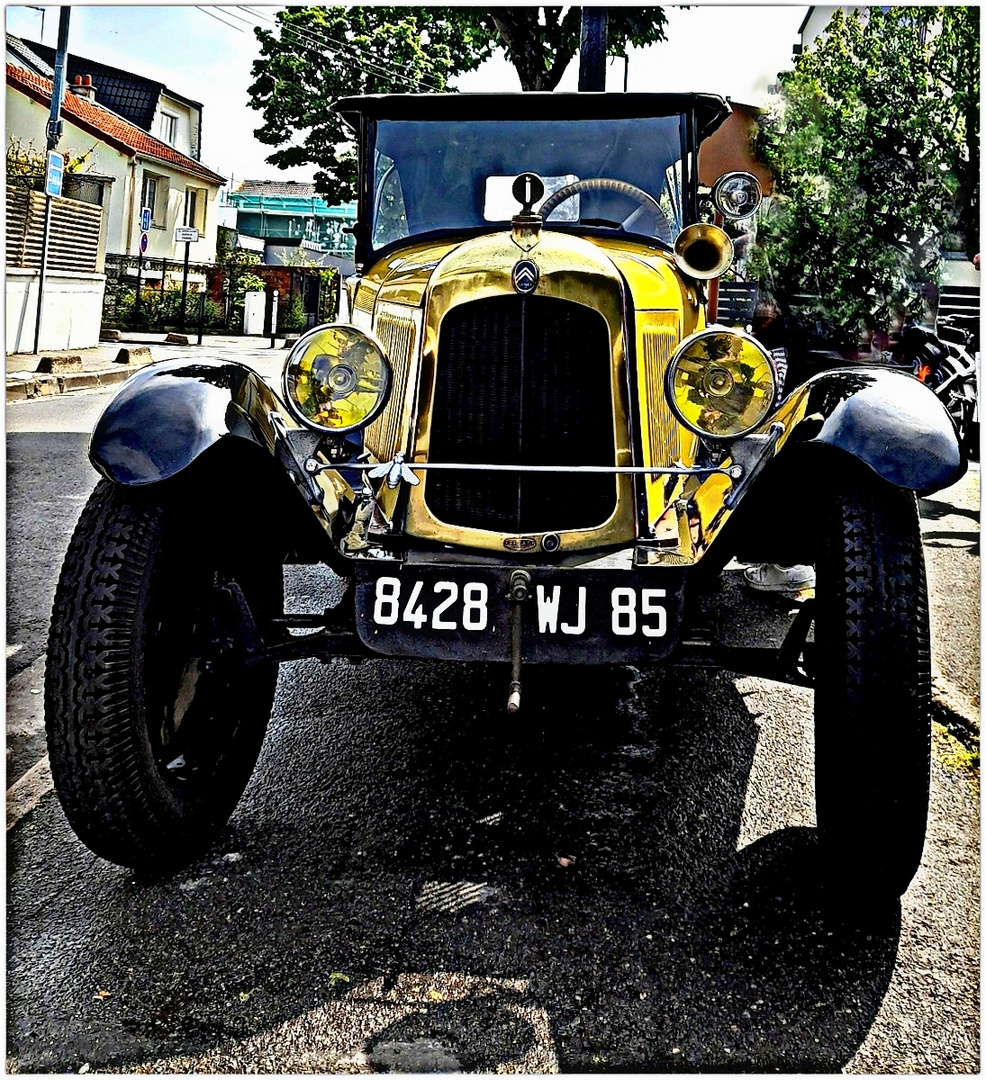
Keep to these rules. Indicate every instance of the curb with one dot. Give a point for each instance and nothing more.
(25, 794)
(955, 712)
(49, 385)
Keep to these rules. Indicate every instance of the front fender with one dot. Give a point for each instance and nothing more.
(888, 420)
(168, 414)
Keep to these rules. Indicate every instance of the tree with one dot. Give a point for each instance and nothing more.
(319, 54)
(875, 154)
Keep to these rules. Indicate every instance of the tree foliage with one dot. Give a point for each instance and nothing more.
(319, 54)
(26, 164)
(875, 152)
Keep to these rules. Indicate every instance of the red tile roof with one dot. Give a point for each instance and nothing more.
(106, 125)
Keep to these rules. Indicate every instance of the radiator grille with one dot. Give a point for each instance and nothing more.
(397, 335)
(522, 381)
(663, 430)
(365, 299)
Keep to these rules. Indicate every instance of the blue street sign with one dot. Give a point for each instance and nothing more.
(54, 168)
(143, 243)
(145, 218)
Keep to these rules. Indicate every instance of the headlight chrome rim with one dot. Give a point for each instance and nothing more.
(342, 378)
(720, 194)
(717, 381)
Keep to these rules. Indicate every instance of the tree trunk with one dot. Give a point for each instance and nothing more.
(592, 51)
(538, 67)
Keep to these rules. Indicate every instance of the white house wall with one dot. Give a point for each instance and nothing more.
(160, 237)
(73, 305)
(187, 134)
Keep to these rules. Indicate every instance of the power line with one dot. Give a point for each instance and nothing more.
(213, 15)
(323, 43)
(233, 14)
(424, 60)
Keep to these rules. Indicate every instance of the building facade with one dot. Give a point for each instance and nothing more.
(146, 171)
(296, 225)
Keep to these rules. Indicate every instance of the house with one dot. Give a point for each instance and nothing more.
(296, 225)
(146, 170)
(146, 103)
(815, 21)
(99, 216)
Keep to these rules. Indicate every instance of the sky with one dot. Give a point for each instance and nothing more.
(205, 53)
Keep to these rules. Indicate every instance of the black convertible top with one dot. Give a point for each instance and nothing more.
(710, 110)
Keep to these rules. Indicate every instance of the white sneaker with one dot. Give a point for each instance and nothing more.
(769, 577)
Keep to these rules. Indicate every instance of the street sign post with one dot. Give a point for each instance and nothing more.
(185, 234)
(54, 162)
(54, 171)
(145, 218)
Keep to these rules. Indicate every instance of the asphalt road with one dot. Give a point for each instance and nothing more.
(391, 894)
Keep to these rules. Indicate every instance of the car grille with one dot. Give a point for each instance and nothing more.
(398, 336)
(522, 381)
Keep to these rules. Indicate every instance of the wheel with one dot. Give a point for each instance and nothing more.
(873, 689)
(154, 719)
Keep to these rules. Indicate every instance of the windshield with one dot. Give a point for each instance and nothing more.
(430, 176)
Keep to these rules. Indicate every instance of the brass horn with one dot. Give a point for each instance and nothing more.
(703, 251)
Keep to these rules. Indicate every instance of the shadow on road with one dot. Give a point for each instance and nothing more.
(392, 883)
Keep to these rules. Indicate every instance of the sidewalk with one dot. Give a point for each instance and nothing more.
(100, 367)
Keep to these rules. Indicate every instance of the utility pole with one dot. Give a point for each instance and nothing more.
(54, 133)
(592, 51)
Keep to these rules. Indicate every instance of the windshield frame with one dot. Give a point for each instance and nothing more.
(446, 177)
(702, 115)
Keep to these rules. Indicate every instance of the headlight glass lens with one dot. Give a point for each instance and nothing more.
(336, 379)
(721, 383)
(736, 194)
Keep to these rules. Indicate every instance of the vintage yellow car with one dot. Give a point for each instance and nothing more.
(527, 440)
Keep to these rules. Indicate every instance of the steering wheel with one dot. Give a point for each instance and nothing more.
(602, 183)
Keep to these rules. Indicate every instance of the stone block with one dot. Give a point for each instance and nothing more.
(290, 341)
(109, 378)
(138, 354)
(87, 381)
(109, 335)
(59, 365)
(176, 339)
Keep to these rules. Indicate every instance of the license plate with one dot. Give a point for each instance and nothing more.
(569, 615)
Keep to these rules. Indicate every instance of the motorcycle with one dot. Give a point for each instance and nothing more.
(948, 362)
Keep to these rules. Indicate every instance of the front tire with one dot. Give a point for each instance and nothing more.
(154, 720)
(873, 688)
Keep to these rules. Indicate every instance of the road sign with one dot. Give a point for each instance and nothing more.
(145, 218)
(143, 243)
(54, 168)
(185, 234)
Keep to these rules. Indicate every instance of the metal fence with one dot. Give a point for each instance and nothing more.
(144, 292)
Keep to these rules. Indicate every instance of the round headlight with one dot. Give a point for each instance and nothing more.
(736, 194)
(721, 383)
(336, 379)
